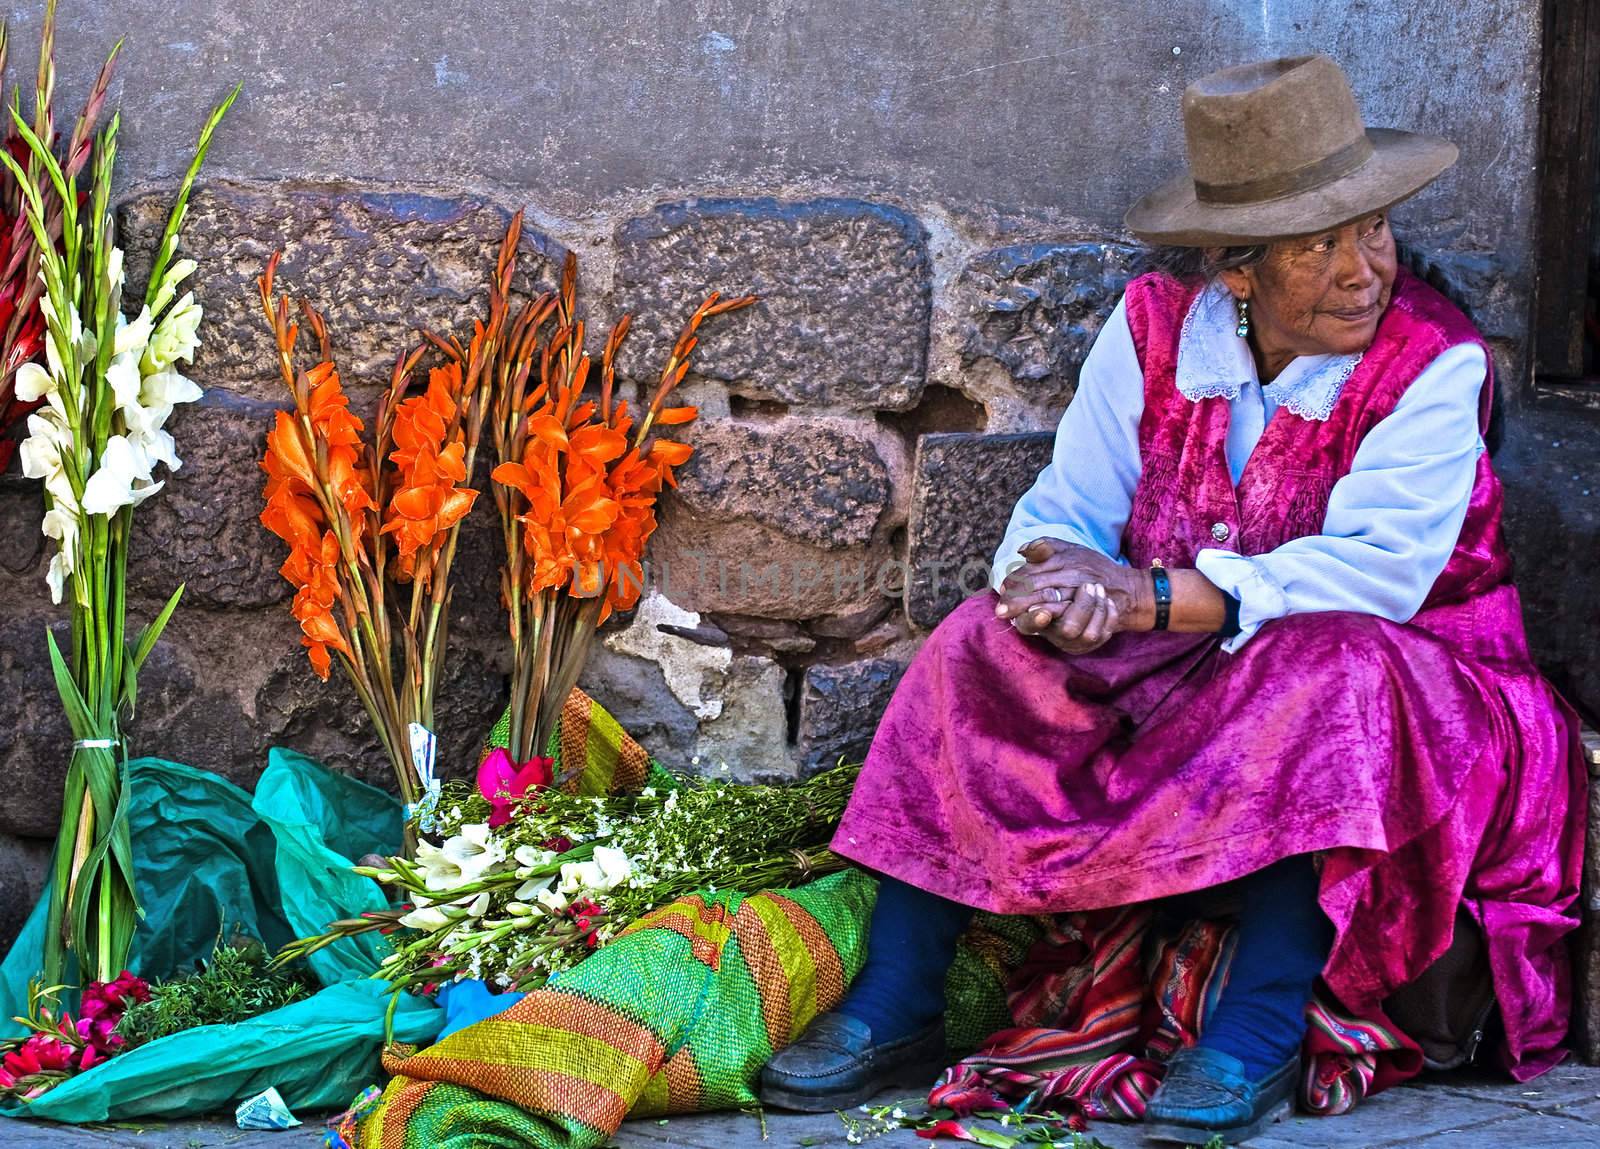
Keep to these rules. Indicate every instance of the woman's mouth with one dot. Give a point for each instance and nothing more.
(1356, 314)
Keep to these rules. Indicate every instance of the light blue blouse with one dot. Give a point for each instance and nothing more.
(1392, 522)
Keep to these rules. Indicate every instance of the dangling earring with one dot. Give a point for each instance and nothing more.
(1243, 329)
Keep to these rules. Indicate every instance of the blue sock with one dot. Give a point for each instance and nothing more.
(1284, 939)
(910, 945)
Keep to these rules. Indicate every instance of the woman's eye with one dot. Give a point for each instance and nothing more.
(1377, 225)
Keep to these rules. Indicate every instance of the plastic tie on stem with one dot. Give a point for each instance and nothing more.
(96, 743)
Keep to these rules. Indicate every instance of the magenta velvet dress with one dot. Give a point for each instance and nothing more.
(1427, 762)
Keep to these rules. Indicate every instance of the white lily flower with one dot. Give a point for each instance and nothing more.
(123, 467)
(426, 918)
(175, 337)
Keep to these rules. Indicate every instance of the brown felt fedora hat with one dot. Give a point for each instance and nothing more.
(1278, 148)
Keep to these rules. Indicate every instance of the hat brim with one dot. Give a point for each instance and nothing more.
(1401, 164)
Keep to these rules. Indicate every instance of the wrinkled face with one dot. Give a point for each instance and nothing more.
(1319, 294)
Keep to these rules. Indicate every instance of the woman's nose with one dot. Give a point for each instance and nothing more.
(1354, 269)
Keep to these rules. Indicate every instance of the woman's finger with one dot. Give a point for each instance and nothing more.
(1077, 615)
(1052, 598)
(1095, 629)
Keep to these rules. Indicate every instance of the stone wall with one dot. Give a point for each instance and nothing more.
(927, 203)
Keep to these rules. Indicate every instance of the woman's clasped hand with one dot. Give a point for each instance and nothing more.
(1070, 595)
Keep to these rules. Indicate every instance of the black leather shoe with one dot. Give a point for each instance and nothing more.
(1207, 1094)
(836, 1064)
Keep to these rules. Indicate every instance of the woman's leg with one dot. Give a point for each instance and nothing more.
(1241, 1074)
(1284, 939)
(892, 1018)
(910, 945)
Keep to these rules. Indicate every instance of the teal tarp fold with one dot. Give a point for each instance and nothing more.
(210, 858)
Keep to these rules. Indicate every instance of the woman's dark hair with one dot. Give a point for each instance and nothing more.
(1191, 263)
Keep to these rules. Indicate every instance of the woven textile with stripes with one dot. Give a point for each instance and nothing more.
(675, 1015)
(1101, 1002)
(589, 741)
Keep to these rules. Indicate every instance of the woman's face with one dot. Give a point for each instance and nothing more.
(1319, 294)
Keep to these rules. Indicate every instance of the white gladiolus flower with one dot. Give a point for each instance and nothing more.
(474, 851)
(614, 865)
(533, 857)
(175, 337)
(134, 335)
(123, 375)
(553, 901)
(533, 887)
(426, 918)
(34, 382)
(479, 905)
(166, 389)
(176, 274)
(122, 479)
(608, 868)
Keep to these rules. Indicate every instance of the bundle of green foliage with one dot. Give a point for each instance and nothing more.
(234, 985)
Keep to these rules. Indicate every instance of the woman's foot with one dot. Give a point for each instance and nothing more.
(1207, 1093)
(837, 1064)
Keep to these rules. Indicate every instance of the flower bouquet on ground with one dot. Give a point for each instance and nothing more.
(59, 1045)
(109, 385)
(372, 523)
(576, 488)
(514, 904)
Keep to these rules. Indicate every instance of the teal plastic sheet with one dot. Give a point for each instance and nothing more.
(210, 858)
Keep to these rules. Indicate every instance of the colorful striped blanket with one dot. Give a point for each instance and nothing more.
(676, 1015)
(1100, 1004)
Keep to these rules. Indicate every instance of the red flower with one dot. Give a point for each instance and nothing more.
(504, 783)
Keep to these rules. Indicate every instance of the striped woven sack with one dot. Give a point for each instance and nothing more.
(601, 756)
(675, 1015)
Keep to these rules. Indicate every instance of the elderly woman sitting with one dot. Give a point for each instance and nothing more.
(1255, 621)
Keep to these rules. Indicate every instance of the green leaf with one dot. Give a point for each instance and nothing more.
(152, 632)
(71, 698)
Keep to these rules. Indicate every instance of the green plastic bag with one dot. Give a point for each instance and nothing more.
(208, 857)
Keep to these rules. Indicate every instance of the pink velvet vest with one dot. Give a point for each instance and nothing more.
(1186, 499)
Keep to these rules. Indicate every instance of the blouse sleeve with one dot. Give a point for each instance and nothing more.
(1392, 522)
(1085, 494)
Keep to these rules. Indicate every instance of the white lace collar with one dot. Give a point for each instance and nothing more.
(1214, 362)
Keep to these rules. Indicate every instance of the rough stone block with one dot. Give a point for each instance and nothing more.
(378, 265)
(963, 489)
(846, 291)
(840, 707)
(203, 529)
(1036, 308)
(700, 708)
(815, 482)
(35, 741)
(784, 520)
(24, 863)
